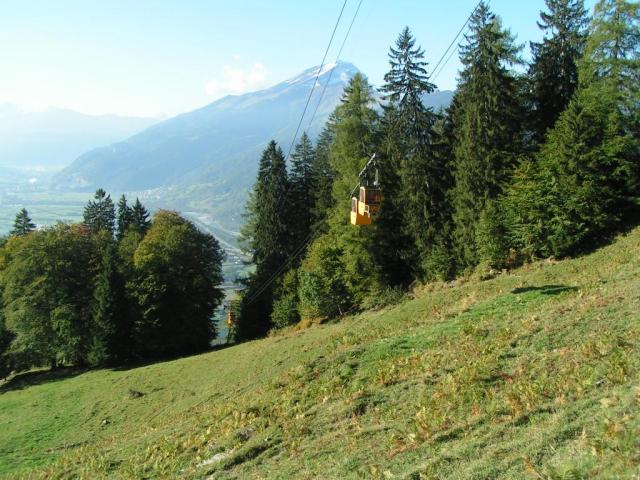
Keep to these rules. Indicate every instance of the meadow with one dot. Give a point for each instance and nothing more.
(532, 374)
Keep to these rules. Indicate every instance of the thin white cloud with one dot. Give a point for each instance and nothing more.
(236, 80)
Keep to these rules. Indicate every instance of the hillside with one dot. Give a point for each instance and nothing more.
(531, 374)
(205, 161)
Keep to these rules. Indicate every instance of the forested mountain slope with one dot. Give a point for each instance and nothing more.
(205, 160)
(531, 374)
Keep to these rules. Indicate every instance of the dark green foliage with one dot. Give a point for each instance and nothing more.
(415, 197)
(301, 191)
(6, 337)
(140, 217)
(490, 237)
(487, 127)
(129, 310)
(323, 177)
(47, 295)
(100, 214)
(285, 307)
(580, 189)
(178, 270)
(323, 283)
(124, 217)
(553, 74)
(110, 311)
(613, 57)
(268, 236)
(22, 224)
(73, 297)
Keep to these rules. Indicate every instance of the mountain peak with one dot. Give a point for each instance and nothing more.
(342, 71)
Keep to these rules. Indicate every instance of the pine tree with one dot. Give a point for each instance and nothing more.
(554, 69)
(340, 266)
(301, 191)
(124, 217)
(411, 138)
(267, 236)
(580, 189)
(100, 214)
(22, 224)
(487, 126)
(105, 303)
(140, 217)
(323, 177)
(612, 61)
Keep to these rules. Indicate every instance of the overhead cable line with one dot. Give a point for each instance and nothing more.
(435, 74)
(295, 135)
(300, 249)
(324, 89)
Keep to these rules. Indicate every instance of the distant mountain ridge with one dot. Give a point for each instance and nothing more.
(205, 160)
(53, 138)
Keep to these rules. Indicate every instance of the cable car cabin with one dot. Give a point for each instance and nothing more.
(231, 318)
(365, 206)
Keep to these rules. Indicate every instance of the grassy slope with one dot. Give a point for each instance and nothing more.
(534, 374)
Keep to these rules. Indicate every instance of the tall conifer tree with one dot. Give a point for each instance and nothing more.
(323, 177)
(580, 188)
(420, 200)
(487, 127)
(140, 217)
(124, 217)
(22, 224)
(100, 214)
(340, 269)
(554, 70)
(267, 236)
(301, 191)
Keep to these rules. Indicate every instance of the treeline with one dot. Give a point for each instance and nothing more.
(528, 161)
(115, 288)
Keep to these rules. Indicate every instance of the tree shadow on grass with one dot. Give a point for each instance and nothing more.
(546, 289)
(24, 380)
(168, 358)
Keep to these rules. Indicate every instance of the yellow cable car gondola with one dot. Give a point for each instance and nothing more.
(231, 318)
(365, 206)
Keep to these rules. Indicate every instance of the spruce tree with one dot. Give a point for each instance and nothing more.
(411, 145)
(140, 217)
(351, 277)
(267, 236)
(323, 177)
(301, 191)
(553, 72)
(124, 217)
(487, 126)
(22, 224)
(580, 190)
(105, 303)
(100, 214)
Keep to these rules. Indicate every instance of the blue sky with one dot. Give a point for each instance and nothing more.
(162, 57)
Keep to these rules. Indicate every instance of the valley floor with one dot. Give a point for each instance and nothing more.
(533, 374)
